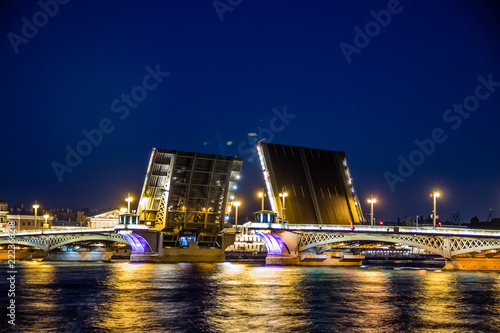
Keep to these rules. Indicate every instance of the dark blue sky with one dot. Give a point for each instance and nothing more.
(74, 71)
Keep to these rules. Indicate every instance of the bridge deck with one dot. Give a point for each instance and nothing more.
(442, 231)
(58, 232)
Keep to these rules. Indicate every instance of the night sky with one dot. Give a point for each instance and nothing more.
(365, 77)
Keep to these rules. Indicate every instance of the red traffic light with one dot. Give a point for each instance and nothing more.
(381, 223)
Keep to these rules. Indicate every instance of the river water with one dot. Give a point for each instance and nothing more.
(239, 297)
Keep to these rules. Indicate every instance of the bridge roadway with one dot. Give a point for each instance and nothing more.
(51, 239)
(462, 248)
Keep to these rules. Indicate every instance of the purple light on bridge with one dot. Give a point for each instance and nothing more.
(137, 243)
(274, 244)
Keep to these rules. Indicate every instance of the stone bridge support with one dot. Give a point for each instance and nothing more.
(283, 248)
(193, 253)
(472, 263)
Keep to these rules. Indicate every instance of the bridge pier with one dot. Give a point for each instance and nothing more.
(83, 254)
(192, 253)
(153, 251)
(174, 255)
(283, 250)
(472, 264)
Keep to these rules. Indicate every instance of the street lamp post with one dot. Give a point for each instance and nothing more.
(283, 195)
(434, 216)
(36, 206)
(128, 200)
(262, 195)
(46, 217)
(371, 201)
(236, 204)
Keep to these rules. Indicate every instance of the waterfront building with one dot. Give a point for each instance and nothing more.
(109, 219)
(247, 241)
(4, 211)
(27, 222)
(69, 225)
(23, 221)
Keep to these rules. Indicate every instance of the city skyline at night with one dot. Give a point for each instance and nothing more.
(408, 89)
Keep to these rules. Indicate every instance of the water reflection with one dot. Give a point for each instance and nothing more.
(36, 292)
(438, 303)
(125, 297)
(259, 299)
(372, 300)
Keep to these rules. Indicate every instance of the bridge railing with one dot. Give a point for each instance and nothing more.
(57, 232)
(375, 229)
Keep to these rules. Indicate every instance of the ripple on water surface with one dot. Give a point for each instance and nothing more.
(233, 297)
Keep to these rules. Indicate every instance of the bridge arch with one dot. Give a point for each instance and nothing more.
(24, 242)
(58, 242)
(445, 246)
(50, 242)
(311, 240)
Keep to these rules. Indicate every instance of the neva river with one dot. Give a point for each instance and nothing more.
(235, 297)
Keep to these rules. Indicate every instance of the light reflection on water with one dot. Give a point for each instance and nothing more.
(438, 304)
(259, 299)
(232, 297)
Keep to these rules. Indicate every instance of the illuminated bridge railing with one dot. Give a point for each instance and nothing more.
(445, 231)
(58, 232)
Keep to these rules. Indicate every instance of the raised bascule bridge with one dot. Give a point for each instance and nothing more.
(316, 216)
(320, 218)
(184, 204)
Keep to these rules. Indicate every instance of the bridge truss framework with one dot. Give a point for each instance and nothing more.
(49, 242)
(448, 243)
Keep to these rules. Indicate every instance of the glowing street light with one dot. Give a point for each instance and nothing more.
(46, 225)
(236, 204)
(283, 195)
(435, 195)
(36, 206)
(262, 195)
(371, 201)
(128, 200)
